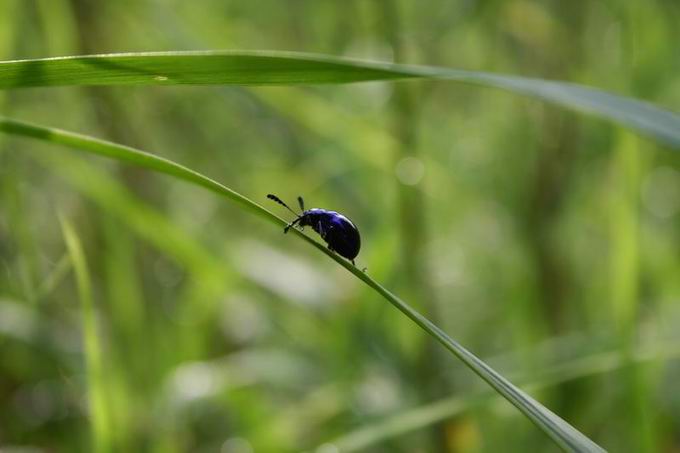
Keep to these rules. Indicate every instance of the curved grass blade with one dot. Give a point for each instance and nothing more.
(290, 68)
(563, 434)
(96, 382)
(428, 414)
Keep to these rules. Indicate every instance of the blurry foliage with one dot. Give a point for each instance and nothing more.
(547, 237)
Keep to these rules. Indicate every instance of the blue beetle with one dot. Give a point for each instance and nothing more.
(341, 235)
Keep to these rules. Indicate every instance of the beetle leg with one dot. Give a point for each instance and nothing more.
(290, 225)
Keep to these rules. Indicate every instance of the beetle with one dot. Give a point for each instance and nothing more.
(341, 235)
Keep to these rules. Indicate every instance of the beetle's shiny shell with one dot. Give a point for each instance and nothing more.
(341, 235)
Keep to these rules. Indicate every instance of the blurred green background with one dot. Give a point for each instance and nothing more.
(545, 241)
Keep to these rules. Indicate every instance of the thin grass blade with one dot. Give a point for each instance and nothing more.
(291, 68)
(562, 433)
(96, 386)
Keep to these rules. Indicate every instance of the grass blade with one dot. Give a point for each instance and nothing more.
(422, 416)
(96, 387)
(290, 68)
(559, 430)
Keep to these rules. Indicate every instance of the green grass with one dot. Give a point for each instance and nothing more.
(289, 68)
(97, 388)
(140, 313)
(560, 431)
(420, 417)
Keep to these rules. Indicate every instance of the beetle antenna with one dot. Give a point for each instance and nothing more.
(279, 201)
(301, 202)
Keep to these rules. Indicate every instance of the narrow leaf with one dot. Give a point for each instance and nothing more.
(289, 68)
(96, 384)
(559, 430)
